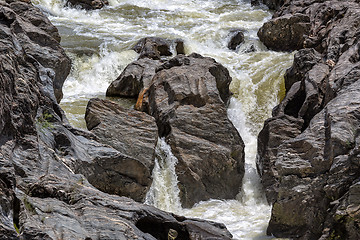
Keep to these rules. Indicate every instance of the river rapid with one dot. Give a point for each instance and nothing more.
(99, 43)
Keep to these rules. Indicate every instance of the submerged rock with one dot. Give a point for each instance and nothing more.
(88, 4)
(43, 160)
(134, 134)
(237, 37)
(308, 155)
(188, 99)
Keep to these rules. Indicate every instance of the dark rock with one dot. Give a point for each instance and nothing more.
(308, 154)
(251, 49)
(134, 134)
(304, 60)
(285, 33)
(345, 217)
(312, 158)
(87, 4)
(237, 37)
(188, 99)
(179, 46)
(135, 77)
(42, 193)
(274, 4)
(155, 47)
(255, 2)
(40, 40)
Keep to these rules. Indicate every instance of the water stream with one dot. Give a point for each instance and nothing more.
(99, 44)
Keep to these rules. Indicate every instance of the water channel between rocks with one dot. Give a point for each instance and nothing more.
(99, 44)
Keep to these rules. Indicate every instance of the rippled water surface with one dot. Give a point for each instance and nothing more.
(99, 44)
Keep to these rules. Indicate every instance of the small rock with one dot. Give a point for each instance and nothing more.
(87, 4)
(237, 37)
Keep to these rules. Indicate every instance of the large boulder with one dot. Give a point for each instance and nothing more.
(87, 4)
(285, 33)
(308, 155)
(43, 194)
(134, 134)
(188, 99)
(272, 4)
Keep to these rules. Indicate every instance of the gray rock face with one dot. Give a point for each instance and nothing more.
(43, 192)
(188, 100)
(39, 39)
(88, 4)
(308, 154)
(134, 134)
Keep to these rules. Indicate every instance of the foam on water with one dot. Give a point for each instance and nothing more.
(164, 192)
(99, 44)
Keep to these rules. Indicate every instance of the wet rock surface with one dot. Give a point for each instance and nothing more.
(134, 134)
(87, 4)
(308, 155)
(39, 39)
(237, 37)
(136, 77)
(188, 96)
(155, 47)
(188, 99)
(286, 32)
(44, 161)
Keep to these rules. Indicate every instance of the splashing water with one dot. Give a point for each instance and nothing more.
(164, 192)
(99, 44)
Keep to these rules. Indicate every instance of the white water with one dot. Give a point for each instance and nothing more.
(164, 193)
(99, 41)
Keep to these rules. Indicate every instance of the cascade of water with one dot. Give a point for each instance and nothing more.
(164, 192)
(99, 41)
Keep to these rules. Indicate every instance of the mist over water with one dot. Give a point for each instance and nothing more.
(99, 43)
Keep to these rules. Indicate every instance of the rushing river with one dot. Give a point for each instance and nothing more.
(99, 44)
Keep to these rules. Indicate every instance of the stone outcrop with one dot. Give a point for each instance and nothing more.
(87, 4)
(134, 134)
(308, 152)
(188, 99)
(43, 160)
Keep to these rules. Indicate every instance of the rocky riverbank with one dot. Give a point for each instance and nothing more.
(46, 165)
(308, 152)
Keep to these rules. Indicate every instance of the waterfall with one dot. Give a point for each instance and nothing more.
(99, 43)
(164, 192)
